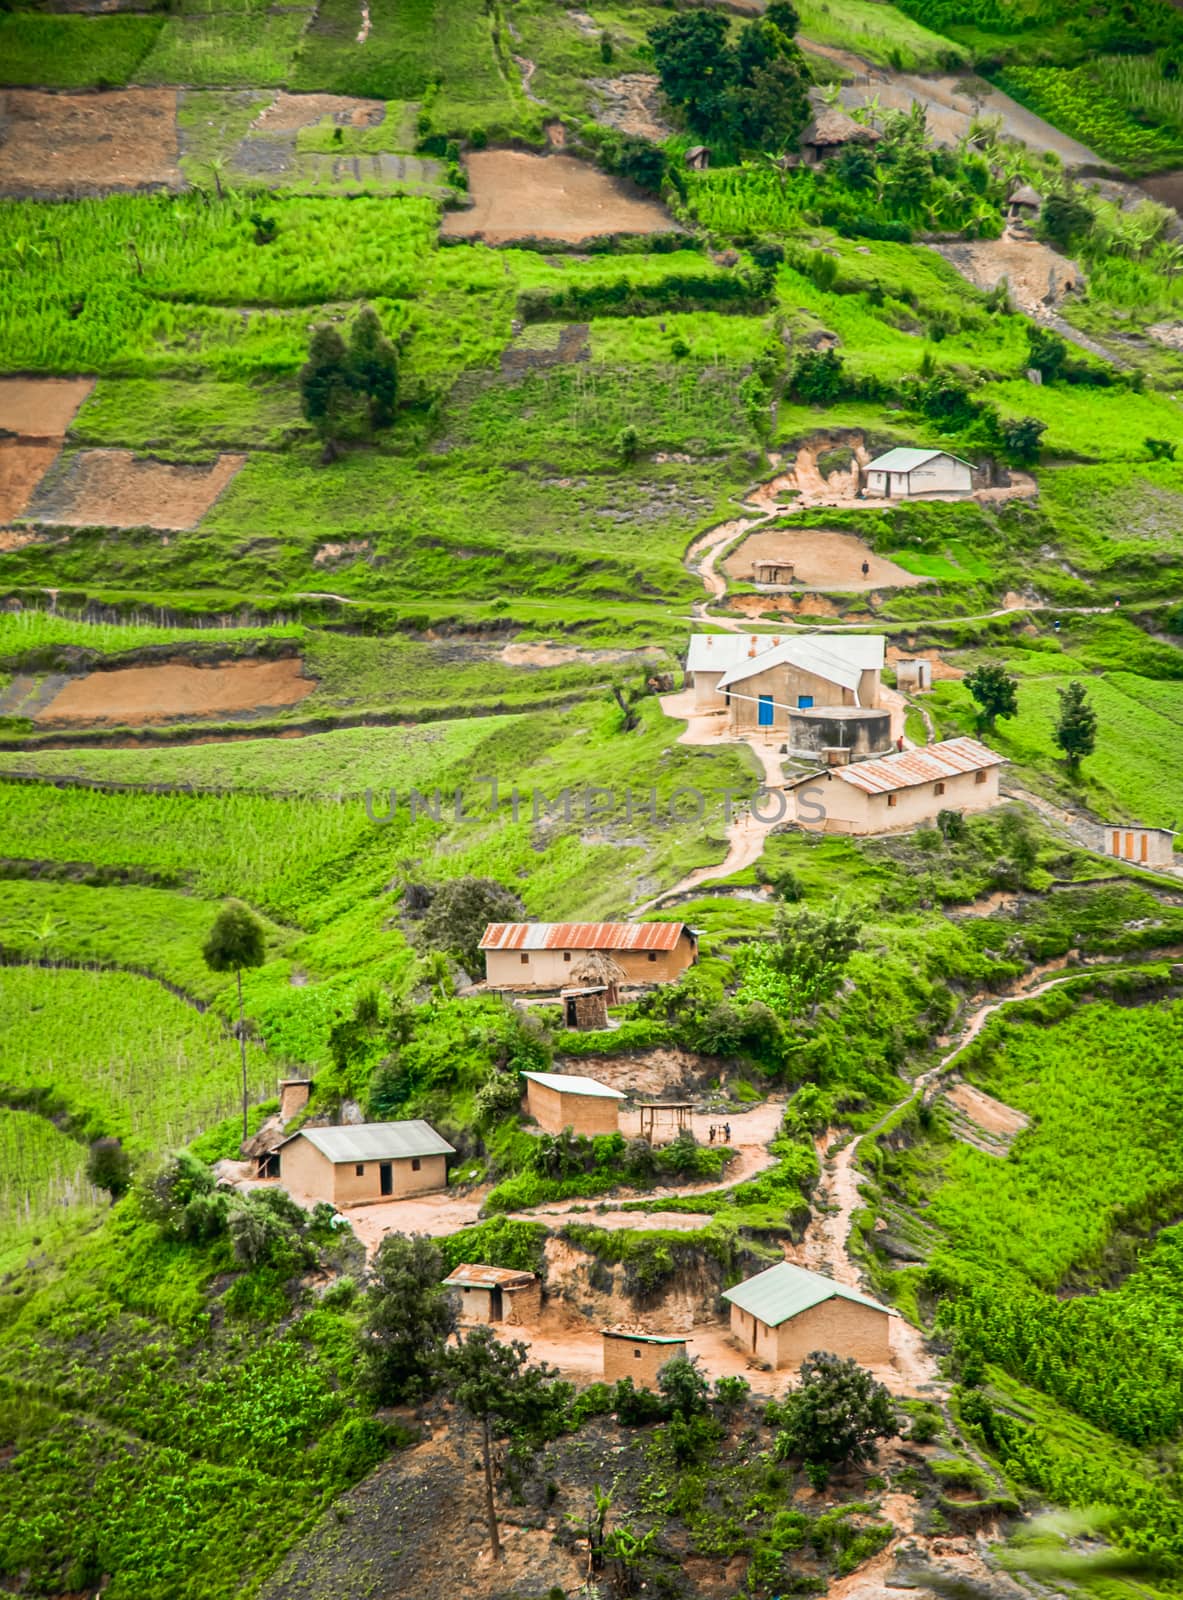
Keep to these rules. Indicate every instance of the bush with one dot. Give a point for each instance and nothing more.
(817, 377)
(108, 1166)
(837, 1414)
(634, 1407)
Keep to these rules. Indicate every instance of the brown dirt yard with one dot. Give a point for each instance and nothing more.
(821, 559)
(41, 408)
(22, 467)
(521, 196)
(116, 489)
(288, 113)
(1037, 275)
(160, 694)
(62, 144)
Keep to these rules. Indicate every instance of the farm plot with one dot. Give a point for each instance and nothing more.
(42, 1171)
(37, 411)
(174, 691)
(821, 559)
(67, 144)
(336, 144)
(115, 489)
(520, 196)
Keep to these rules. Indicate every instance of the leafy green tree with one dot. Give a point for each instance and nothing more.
(685, 1386)
(640, 160)
(373, 367)
(770, 107)
(108, 1166)
(812, 947)
(325, 386)
(910, 177)
(628, 443)
(1064, 218)
(818, 377)
(753, 93)
(408, 1316)
(496, 1386)
(1046, 351)
(236, 941)
(1075, 732)
(854, 167)
(996, 693)
(1020, 439)
(838, 1412)
(695, 62)
(459, 913)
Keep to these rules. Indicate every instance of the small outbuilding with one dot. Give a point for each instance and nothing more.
(698, 158)
(1147, 847)
(914, 674)
(1024, 205)
(351, 1166)
(558, 1100)
(664, 1120)
(639, 1356)
(496, 1294)
(909, 474)
(585, 1009)
(831, 132)
(771, 574)
(782, 1315)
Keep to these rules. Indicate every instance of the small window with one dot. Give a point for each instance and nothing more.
(636, 1355)
(415, 1163)
(566, 955)
(359, 1172)
(525, 961)
(938, 788)
(892, 799)
(653, 955)
(980, 775)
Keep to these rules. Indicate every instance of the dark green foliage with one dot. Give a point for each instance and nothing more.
(108, 1166)
(407, 1318)
(637, 1408)
(1160, 449)
(607, 51)
(236, 940)
(639, 160)
(325, 385)
(996, 692)
(685, 1387)
(1046, 351)
(627, 444)
(373, 367)
(459, 913)
(1075, 732)
(1020, 439)
(1064, 218)
(838, 1414)
(266, 227)
(817, 377)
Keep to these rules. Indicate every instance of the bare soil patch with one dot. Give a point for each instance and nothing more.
(116, 489)
(991, 1115)
(821, 560)
(64, 144)
(332, 555)
(288, 113)
(521, 196)
(22, 467)
(41, 408)
(634, 104)
(1038, 276)
(558, 655)
(164, 693)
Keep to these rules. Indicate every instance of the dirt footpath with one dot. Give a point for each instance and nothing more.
(116, 489)
(159, 694)
(64, 144)
(821, 560)
(521, 196)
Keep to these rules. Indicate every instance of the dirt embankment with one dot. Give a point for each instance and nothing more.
(35, 414)
(172, 691)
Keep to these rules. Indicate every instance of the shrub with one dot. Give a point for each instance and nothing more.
(108, 1166)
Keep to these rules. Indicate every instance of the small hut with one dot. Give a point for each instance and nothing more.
(1024, 205)
(667, 1118)
(495, 1294)
(632, 1353)
(831, 132)
(596, 969)
(773, 574)
(585, 1009)
(698, 158)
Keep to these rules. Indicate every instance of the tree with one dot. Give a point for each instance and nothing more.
(373, 367)
(1064, 218)
(494, 1385)
(838, 1412)
(685, 1386)
(818, 377)
(408, 1318)
(459, 914)
(996, 693)
(235, 941)
(325, 386)
(108, 1166)
(771, 106)
(694, 61)
(812, 947)
(1046, 351)
(1020, 439)
(1076, 730)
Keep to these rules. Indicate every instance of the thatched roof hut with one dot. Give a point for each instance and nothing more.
(831, 130)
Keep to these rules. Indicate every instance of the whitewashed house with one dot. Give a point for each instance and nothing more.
(904, 473)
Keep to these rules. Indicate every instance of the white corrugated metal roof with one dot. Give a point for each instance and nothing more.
(823, 658)
(784, 1291)
(905, 769)
(583, 935)
(376, 1141)
(569, 1083)
(902, 459)
(720, 652)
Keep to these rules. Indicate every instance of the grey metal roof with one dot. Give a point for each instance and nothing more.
(644, 1338)
(376, 1141)
(569, 1083)
(721, 652)
(784, 1291)
(823, 659)
(902, 459)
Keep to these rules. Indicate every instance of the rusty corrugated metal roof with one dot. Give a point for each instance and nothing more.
(905, 769)
(474, 1276)
(582, 935)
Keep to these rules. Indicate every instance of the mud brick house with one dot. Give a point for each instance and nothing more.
(904, 473)
(782, 1315)
(639, 1356)
(900, 791)
(351, 1166)
(547, 955)
(557, 1101)
(496, 1294)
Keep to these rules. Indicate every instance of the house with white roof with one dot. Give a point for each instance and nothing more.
(815, 692)
(902, 473)
(899, 791)
(352, 1165)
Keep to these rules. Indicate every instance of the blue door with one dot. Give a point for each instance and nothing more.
(764, 718)
(804, 701)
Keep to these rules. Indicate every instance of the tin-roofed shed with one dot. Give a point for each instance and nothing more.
(780, 1316)
(371, 1161)
(496, 1294)
(558, 1100)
